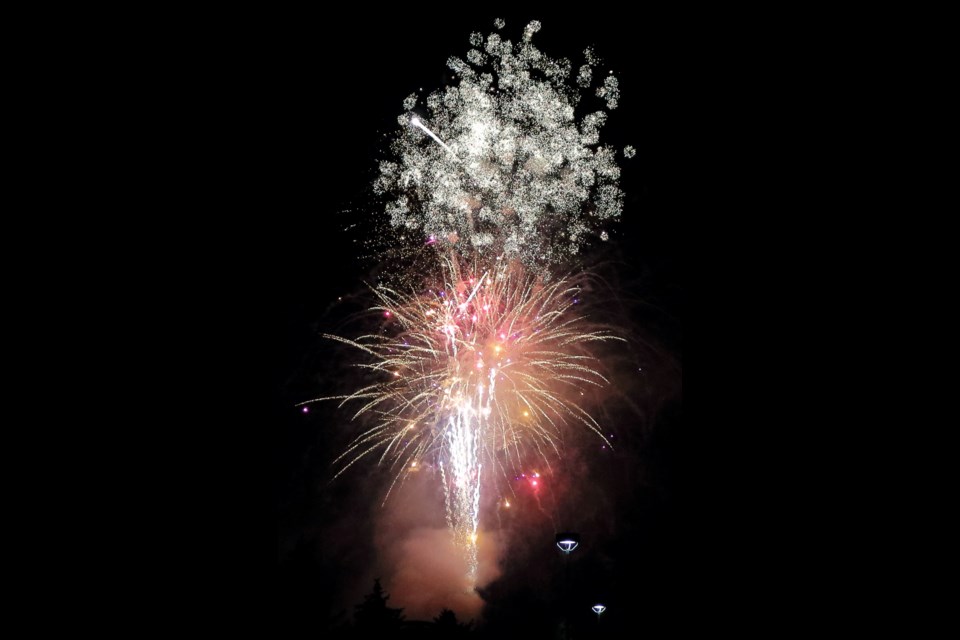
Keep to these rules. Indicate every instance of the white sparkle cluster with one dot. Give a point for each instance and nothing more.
(516, 175)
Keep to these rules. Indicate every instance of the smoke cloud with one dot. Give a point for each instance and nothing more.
(424, 572)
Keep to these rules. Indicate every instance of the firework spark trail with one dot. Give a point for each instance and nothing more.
(465, 428)
(544, 511)
(416, 122)
(475, 375)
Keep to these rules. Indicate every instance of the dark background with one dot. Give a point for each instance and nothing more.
(314, 100)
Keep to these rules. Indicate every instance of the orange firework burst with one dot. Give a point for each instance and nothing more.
(475, 374)
(499, 344)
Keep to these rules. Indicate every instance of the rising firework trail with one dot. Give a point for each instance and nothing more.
(484, 355)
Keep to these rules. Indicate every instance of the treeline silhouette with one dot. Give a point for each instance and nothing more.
(375, 618)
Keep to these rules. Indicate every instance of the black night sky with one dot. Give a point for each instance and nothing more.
(317, 101)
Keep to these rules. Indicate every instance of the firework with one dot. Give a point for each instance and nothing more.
(498, 163)
(483, 357)
(477, 373)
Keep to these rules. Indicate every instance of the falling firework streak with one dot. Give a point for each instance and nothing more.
(416, 122)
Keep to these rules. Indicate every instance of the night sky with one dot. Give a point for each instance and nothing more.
(319, 102)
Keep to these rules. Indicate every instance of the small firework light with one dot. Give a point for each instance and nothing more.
(568, 541)
(598, 609)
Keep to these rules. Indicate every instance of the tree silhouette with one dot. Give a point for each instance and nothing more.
(447, 626)
(374, 616)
